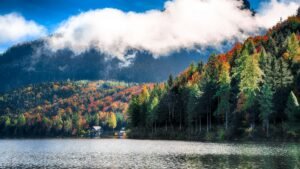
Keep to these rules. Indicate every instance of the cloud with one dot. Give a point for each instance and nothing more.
(15, 28)
(271, 13)
(182, 24)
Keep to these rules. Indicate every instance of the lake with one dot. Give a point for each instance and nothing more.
(125, 153)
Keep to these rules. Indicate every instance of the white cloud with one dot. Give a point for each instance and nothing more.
(271, 13)
(14, 28)
(183, 24)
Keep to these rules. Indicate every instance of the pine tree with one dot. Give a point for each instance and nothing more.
(271, 47)
(266, 105)
(200, 67)
(292, 111)
(170, 81)
(284, 77)
(194, 106)
(223, 93)
(134, 111)
(151, 110)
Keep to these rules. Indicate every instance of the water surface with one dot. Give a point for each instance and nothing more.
(114, 153)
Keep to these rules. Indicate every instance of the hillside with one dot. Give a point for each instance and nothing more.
(250, 92)
(67, 108)
(32, 62)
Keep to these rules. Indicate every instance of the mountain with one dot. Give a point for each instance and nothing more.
(31, 62)
(250, 92)
(68, 108)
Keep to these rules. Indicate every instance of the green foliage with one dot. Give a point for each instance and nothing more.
(244, 90)
(266, 106)
(21, 120)
(293, 113)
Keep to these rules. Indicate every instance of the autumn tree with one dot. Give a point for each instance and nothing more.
(112, 121)
(292, 47)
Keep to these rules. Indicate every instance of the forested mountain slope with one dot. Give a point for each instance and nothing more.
(252, 91)
(65, 108)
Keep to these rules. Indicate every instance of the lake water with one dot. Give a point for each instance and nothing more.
(114, 153)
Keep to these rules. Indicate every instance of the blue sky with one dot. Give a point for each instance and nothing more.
(45, 16)
(51, 12)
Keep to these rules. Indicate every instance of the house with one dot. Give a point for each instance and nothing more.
(122, 132)
(96, 131)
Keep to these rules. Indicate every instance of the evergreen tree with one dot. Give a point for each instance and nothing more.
(170, 81)
(283, 83)
(200, 67)
(151, 111)
(223, 93)
(293, 113)
(194, 107)
(271, 47)
(208, 86)
(134, 112)
(266, 106)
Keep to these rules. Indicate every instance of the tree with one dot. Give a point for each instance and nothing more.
(67, 126)
(293, 113)
(223, 93)
(134, 112)
(208, 86)
(250, 77)
(170, 81)
(57, 123)
(271, 46)
(112, 121)
(298, 12)
(21, 120)
(283, 81)
(194, 106)
(283, 77)
(7, 121)
(292, 47)
(200, 67)
(266, 105)
(151, 112)
(95, 120)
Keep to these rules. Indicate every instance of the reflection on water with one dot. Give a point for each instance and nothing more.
(113, 153)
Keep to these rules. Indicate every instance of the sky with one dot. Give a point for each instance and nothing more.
(23, 20)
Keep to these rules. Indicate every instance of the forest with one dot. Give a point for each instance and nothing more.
(65, 109)
(251, 92)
